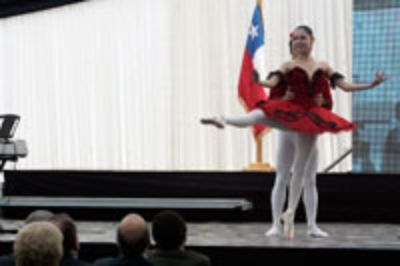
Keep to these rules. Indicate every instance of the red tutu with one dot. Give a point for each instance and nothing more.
(301, 113)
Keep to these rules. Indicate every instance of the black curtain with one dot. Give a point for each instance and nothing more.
(17, 7)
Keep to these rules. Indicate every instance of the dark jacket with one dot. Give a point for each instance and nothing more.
(122, 261)
(71, 261)
(177, 258)
(7, 260)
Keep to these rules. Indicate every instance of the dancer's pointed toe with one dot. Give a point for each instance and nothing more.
(214, 121)
(288, 224)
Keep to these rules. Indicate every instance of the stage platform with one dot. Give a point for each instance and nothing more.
(236, 243)
(227, 212)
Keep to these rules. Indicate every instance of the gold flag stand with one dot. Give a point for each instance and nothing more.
(259, 166)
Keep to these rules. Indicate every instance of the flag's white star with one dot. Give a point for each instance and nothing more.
(253, 32)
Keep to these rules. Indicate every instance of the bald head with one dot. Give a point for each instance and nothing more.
(132, 234)
(132, 227)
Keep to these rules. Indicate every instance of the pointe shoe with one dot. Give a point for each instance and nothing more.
(316, 232)
(273, 231)
(288, 224)
(214, 121)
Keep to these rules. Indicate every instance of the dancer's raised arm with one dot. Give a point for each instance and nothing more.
(339, 81)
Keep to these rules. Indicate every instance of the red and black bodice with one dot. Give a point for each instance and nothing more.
(301, 112)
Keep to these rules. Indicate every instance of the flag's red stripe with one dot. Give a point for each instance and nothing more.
(249, 92)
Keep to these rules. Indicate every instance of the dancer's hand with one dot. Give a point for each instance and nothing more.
(319, 100)
(255, 77)
(288, 95)
(379, 78)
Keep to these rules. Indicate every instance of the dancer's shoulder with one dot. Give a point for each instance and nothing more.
(286, 66)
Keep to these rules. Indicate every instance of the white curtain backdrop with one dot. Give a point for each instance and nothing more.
(122, 84)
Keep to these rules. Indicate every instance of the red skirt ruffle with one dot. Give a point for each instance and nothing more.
(313, 120)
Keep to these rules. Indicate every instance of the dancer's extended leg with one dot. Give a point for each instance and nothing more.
(256, 116)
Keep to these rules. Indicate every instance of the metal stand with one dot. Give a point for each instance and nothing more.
(338, 160)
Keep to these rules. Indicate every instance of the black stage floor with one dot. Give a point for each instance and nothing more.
(343, 197)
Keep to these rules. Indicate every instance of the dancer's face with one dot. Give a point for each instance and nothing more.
(302, 42)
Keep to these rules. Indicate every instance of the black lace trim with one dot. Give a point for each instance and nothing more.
(293, 116)
(334, 78)
(260, 103)
(280, 74)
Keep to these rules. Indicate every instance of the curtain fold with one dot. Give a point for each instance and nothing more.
(122, 84)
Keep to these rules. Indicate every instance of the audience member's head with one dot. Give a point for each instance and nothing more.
(169, 230)
(38, 216)
(132, 235)
(68, 228)
(38, 244)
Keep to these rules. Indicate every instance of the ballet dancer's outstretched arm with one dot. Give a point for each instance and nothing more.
(353, 87)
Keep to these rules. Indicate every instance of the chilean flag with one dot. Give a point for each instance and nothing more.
(253, 59)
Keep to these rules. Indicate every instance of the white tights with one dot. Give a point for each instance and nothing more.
(296, 152)
(256, 116)
(287, 142)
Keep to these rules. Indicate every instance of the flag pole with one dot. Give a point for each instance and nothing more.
(260, 4)
(259, 165)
